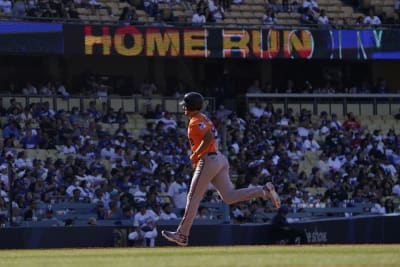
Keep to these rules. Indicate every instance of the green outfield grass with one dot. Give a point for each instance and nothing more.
(243, 256)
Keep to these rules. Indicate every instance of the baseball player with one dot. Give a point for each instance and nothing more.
(210, 167)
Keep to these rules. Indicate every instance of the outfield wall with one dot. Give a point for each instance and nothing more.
(354, 230)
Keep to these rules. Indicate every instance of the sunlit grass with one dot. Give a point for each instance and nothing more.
(246, 256)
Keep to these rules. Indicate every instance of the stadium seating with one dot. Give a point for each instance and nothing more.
(248, 13)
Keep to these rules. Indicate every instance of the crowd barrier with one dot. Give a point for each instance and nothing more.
(375, 229)
(341, 104)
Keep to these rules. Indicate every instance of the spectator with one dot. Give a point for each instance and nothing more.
(397, 8)
(29, 89)
(351, 122)
(198, 18)
(310, 5)
(148, 88)
(18, 10)
(72, 14)
(272, 5)
(145, 223)
(6, 7)
(323, 20)
(335, 123)
(371, 19)
(151, 7)
(121, 116)
(269, 18)
(30, 141)
(159, 21)
(178, 192)
(128, 16)
(307, 17)
(282, 232)
(11, 130)
(255, 87)
(359, 21)
(166, 213)
(217, 12)
(202, 5)
(310, 143)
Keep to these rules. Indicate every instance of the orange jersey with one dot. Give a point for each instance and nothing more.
(199, 125)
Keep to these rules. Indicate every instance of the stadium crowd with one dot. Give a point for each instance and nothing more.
(126, 12)
(122, 173)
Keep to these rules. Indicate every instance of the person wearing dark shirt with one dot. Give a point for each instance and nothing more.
(281, 230)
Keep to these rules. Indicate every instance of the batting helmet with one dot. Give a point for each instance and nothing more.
(192, 101)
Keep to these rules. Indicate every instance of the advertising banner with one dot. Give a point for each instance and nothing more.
(31, 38)
(131, 41)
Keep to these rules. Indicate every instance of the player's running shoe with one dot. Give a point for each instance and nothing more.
(269, 192)
(176, 237)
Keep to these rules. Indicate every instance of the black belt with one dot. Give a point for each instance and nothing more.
(212, 153)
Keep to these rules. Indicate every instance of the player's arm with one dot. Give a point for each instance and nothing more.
(208, 138)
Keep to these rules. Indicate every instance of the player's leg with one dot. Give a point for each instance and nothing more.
(226, 189)
(231, 195)
(198, 187)
(205, 171)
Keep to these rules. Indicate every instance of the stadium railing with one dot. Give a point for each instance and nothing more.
(131, 104)
(341, 104)
(282, 24)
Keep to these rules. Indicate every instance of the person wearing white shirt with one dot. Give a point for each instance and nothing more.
(107, 152)
(257, 111)
(61, 89)
(211, 6)
(219, 13)
(29, 89)
(141, 193)
(372, 19)
(323, 19)
(167, 214)
(145, 222)
(5, 6)
(396, 188)
(389, 168)
(167, 121)
(269, 17)
(120, 140)
(311, 144)
(334, 162)
(100, 196)
(178, 192)
(4, 176)
(335, 123)
(310, 4)
(198, 18)
(23, 162)
(47, 89)
(69, 148)
(70, 189)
